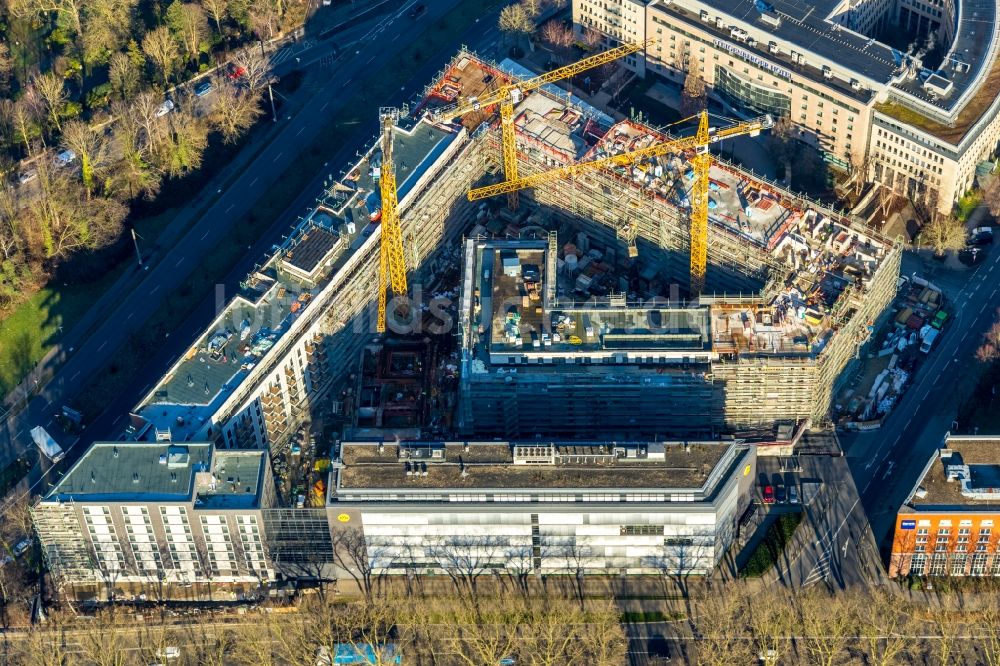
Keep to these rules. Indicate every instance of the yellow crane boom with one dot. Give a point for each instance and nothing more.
(392, 263)
(701, 163)
(510, 94)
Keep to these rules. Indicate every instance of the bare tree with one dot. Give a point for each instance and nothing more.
(46, 646)
(52, 91)
(235, 110)
(217, 9)
(722, 631)
(183, 145)
(943, 233)
(6, 67)
(590, 38)
(24, 117)
(515, 22)
(256, 66)
(104, 643)
(124, 75)
(557, 34)
(190, 26)
(90, 147)
(350, 553)
(472, 636)
(884, 623)
(134, 176)
(946, 625)
(828, 623)
(465, 559)
(161, 49)
(693, 96)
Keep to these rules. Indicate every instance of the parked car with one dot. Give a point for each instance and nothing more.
(65, 158)
(793, 495)
(768, 494)
(165, 108)
(981, 236)
(235, 72)
(21, 547)
(971, 255)
(27, 176)
(169, 652)
(779, 493)
(203, 88)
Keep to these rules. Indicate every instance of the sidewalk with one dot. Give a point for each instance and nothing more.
(50, 363)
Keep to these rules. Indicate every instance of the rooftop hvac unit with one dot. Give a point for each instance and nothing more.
(772, 47)
(827, 72)
(856, 84)
(704, 16)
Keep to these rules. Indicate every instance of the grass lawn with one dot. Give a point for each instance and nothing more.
(29, 331)
(770, 549)
(360, 111)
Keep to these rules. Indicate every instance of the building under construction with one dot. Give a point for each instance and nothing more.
(792, 289)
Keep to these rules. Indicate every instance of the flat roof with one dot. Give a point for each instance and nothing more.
(804, 25)
(273, 297)
(982, 457)
(666, 465)
(236, 480)
(134, 471)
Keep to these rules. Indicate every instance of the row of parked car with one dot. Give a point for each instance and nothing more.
(67, 157)
(771, 494)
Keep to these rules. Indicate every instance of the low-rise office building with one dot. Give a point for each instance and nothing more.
(950, 524)
(542, 506)
(137, 517)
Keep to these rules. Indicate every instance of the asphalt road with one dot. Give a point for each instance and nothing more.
(367, 59)
(886, 463)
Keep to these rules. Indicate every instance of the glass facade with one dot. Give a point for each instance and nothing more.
(746, 95)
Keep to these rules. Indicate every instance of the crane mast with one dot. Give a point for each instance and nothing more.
(701, 163)
(392, 263)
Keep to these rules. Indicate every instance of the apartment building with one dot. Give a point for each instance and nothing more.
(918, 123)
(156, 518)
(542, 506)
(950, 524)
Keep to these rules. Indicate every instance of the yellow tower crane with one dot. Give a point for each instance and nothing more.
(510, 94)
(701, 163)
(391, 262)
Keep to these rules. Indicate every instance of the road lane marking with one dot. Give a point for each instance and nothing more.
(346, 83)
(277, 157)
(324, 106)
(230, 208)
(205, 235)
(155, 289)
(253, 181)
(179, 262)
(301, 130)
(369, 61)
(130, 314)
(102, 345)
(73, 378)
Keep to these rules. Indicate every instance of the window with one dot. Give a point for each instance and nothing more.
(918, 564)
(978, 564)
(958, 565)
(938, 564)
(642, 530)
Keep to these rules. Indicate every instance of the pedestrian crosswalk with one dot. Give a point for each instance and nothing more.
(820, 571)
(281, 55)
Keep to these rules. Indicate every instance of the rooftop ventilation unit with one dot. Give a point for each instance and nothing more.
(827, 72)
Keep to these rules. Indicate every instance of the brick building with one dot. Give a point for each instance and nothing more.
(950, 524)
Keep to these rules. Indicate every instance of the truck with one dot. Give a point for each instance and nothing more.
(47, 445)
(928, 340)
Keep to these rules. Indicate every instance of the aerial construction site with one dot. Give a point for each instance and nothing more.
(576, 305)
